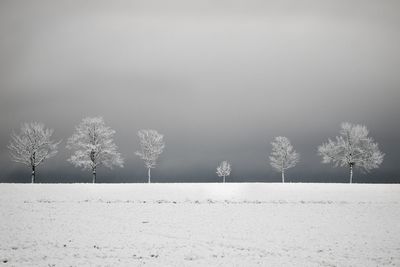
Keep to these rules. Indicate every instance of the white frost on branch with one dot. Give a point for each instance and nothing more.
(93, 145)
(353, 148)
(224, 169)
(283, 156)
(32, 145)
(151, 147)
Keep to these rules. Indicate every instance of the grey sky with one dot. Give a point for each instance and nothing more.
(219, 78)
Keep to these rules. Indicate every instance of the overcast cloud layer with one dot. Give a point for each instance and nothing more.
(219, 78)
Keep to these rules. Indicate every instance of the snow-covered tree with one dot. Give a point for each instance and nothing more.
(32, 145)
(353, 148)
(283, 156)
(224, 169)
(94, 146)
(152, 145)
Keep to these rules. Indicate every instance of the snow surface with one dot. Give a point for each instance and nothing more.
(199, 225)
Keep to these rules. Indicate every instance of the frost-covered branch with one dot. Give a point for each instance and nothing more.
(93, 146)
(283, 156)
(151, 147)
(352, 148)
(224, 169)
(32, 145)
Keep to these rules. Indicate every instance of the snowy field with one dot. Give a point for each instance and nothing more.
(199, 225)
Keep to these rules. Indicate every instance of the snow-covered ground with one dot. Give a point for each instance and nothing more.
(199, 225)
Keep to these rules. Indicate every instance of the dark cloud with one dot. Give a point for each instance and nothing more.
(219, 79)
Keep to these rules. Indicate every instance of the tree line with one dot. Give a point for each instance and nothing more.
(92, 145)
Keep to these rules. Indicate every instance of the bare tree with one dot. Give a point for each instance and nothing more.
(93, 146)
(32, 145)
(283, 156)
(224, 169)
(353, 148)
(152, 145)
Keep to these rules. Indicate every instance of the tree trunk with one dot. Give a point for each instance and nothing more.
(224, 179)
(283, 176)
(351, 173)
(149, 175)
(94, 175)
(33, 174)
(33, 160)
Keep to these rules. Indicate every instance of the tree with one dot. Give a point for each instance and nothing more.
(152, 145)
(32, 146)
(283, 156)
(94, 146)
(224, 169)
(353, 148)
